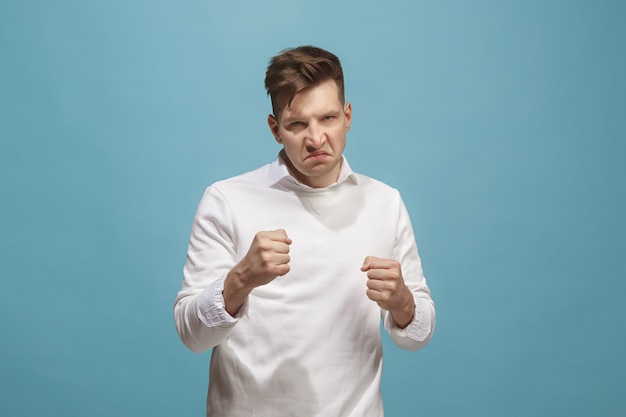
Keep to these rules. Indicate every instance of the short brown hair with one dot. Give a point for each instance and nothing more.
(297, 69)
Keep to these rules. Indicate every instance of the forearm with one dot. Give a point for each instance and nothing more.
(403, 316)
(420, 329)
(235, 291)
(201, 319)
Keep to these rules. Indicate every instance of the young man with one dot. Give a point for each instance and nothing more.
(291, 266)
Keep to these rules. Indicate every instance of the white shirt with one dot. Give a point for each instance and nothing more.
(308, 343)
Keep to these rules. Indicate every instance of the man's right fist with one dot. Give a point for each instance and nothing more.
(267, 258)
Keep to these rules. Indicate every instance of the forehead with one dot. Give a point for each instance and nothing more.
(320, 98)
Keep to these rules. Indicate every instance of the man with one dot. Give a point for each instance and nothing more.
(291, 266)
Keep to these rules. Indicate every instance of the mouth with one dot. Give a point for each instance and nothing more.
(317, 155)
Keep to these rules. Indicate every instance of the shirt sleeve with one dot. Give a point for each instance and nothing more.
(200, 316)
(419, 332)
(211, 308)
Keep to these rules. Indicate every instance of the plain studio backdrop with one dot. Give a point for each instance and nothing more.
(502, 123)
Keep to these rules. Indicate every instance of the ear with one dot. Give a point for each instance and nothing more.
(347, 111)
(272, 122)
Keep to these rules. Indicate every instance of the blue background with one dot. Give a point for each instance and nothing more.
(502, 123)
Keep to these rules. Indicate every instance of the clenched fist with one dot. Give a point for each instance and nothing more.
(386, 287)
(267, 258)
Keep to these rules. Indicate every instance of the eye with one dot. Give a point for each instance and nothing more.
(330, 118)
(295, 125)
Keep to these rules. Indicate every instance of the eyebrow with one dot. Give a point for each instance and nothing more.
(302, 117)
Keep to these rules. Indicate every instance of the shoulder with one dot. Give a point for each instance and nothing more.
(235, 187)
(257, 177)
(370, 184)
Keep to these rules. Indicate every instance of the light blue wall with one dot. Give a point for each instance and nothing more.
(502, 123)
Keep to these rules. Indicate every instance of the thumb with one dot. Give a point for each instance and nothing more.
(366, 264)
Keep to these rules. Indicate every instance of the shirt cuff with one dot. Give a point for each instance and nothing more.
(211, 308)
(418, 329)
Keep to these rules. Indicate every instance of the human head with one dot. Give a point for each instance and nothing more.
(297, 69)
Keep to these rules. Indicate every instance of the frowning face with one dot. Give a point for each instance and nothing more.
(312, 130)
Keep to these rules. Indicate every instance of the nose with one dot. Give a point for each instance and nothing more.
(315, 136)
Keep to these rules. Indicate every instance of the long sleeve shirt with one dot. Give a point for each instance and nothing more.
(308, 343)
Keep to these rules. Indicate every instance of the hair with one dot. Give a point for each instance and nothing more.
(296, 69)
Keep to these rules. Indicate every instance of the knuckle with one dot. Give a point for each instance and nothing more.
(266, 257)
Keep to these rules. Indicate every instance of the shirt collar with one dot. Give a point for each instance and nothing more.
(278, 171)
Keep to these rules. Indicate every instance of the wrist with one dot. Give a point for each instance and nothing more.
(404, 315)
(235, 291)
